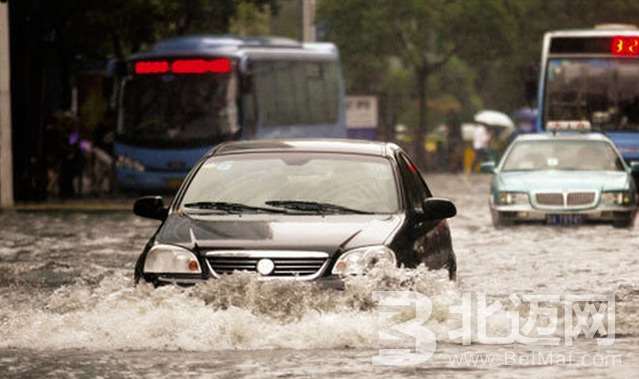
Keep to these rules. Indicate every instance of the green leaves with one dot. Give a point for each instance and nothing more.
(121, 27)
(492, 42)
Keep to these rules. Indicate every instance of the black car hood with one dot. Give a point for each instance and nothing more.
(291, 232)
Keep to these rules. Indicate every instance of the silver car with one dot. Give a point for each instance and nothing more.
(562, 179)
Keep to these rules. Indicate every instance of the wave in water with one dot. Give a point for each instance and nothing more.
(238, 312)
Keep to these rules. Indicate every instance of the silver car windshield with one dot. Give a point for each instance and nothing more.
(364, 183)
(562, 155)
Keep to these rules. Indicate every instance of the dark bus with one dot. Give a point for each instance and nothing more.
(188, 94)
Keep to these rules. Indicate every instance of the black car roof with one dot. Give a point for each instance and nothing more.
(349, 146)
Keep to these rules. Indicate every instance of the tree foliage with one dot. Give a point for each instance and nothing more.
(422, 35)
(475, 51)
(119, 27)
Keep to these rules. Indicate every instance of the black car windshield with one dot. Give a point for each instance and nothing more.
(356, 182)
(562, 155)
(177, 109)
(603, 91)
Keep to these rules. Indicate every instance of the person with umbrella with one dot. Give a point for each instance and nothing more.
(490, 136)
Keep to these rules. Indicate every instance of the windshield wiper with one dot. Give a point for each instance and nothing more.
(313, 206)
(230, 207)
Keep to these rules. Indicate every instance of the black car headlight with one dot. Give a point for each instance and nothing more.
(360, 260)
(616, 198)
(129, 164)
(170, 259)
(512, 198)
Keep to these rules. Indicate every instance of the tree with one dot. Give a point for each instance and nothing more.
(501, 79)
(120, 27)
(423, 35)
(250, 20)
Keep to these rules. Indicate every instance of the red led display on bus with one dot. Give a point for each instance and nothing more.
(184, 66)
(201, 66)
(625, 46)
(151, 67)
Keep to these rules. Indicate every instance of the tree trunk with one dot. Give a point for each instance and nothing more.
(418, 143)
(386, 120)
(117, 45)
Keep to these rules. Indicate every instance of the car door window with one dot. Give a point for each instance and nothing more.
(416, 187)
(421, 183)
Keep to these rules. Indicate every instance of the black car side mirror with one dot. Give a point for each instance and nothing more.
(151, 207)
(487, 167)
(634, 167)
(436, 208)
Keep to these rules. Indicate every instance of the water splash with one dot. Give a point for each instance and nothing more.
(241, 312)
(238, 312)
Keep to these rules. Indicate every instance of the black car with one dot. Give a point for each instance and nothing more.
(297, 210)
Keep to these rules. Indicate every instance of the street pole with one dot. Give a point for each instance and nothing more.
(6, 159)
(308, 20)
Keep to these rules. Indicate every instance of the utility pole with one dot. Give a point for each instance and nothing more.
(6, 159)
(308, 20)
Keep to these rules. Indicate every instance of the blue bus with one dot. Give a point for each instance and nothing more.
(188, 94)
(590, 79)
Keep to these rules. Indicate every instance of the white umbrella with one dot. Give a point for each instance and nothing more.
(494, 118)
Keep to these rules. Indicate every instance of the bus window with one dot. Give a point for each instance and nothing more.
(180, 108)
(296, 92)
(604, 91)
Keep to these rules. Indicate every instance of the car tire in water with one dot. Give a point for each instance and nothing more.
(499, 221)
(626, 222)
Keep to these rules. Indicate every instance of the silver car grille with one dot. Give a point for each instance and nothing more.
(556, 199)
(303, 265)
(580, 198)
(566, 200)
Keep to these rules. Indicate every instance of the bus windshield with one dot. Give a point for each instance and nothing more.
(604, 91)
(177, 109)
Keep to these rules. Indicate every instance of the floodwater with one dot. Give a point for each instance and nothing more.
(68, 307)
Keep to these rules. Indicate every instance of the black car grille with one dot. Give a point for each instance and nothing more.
(293, 266)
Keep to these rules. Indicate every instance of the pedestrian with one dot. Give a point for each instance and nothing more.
(73, 161)
(455, 143)
(481, 145)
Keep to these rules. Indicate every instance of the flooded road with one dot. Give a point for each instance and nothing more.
(68, 307)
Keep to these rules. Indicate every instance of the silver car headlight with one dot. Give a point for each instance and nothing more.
(512, 198)
(170, 259)
(616, 198)
(360, 260)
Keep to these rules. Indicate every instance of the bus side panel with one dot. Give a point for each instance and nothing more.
(336, 129)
